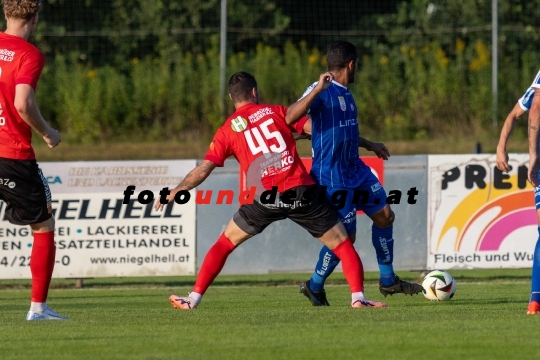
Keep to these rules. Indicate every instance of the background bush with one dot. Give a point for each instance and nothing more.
(149, 69)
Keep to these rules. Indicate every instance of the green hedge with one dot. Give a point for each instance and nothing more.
(401, 93)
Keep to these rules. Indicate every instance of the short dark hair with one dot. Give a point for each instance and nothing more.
(339, 54)
(240, 86)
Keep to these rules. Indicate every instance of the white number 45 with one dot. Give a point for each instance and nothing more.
(259, 145)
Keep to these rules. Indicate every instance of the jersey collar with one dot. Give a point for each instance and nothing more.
(338, 84)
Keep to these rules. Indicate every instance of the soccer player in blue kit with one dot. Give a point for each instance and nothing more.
(522, 105)
(337, 166)
(529, 100)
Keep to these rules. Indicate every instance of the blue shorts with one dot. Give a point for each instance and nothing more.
(376, 201)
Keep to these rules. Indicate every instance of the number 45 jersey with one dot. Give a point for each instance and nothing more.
(258, 136)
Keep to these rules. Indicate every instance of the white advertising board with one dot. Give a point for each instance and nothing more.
(96, 234)
(479, 217)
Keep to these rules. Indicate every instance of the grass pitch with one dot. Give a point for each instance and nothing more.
(265, 317)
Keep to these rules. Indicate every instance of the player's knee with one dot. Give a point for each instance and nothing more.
(334, 236)
(386, 218)
(51, 223)
(44, 226)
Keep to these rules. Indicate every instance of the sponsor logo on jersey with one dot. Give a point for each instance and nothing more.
(376, 187)
(351, 214)
(342, 103)
(352, 107)
(238, 124)
(253, 118)
(6, 55)
(349, 122)
(9, 184)
(212, 145)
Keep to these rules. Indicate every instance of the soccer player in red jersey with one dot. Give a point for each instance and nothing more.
(262, 142)
(26, 193)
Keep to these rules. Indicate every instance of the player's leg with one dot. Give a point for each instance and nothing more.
(383, 242)
(338, 242)
(247, 222)
(323, 223)
(370, 197)
(212, 265)
(29, 203)
(42, 262)
(313, 289)
(534, 301)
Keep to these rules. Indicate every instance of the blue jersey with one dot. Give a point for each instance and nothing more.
(526, 100)
(334, 137)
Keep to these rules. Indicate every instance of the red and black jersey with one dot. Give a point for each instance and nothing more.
(258, 136)
(20, 63)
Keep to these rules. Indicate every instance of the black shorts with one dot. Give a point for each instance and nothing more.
(25, 191)
(317, 217)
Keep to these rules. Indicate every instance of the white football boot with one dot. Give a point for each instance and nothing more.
(46, 314)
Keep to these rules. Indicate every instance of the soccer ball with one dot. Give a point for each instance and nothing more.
(439, 286)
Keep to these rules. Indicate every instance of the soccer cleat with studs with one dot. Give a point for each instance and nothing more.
(533, 308)
(182, 302)
(368, 303)
(316, 299)
(400, 287)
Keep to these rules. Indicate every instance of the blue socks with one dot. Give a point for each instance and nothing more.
(384, 248)
(325, 266)
(535, 281)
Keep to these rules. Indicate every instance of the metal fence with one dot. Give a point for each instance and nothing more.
(158, 68)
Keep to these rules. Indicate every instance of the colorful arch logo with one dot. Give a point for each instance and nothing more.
(514, 210)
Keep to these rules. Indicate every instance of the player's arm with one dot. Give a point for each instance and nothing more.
(378, 148)
(193, 179)
(534, 131)
(508, 127)
(25, 104)
(306, 131)
(301, 107)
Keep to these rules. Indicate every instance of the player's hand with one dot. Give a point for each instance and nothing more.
(52, 138)
(158, 206)
(502, 160)
(534, 166)
(380, 150)
(324, 81)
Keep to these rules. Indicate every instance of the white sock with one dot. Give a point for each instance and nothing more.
(357, 296)
(37, 307)
(196, 296)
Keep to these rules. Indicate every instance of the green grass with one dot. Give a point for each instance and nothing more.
(264, 317)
